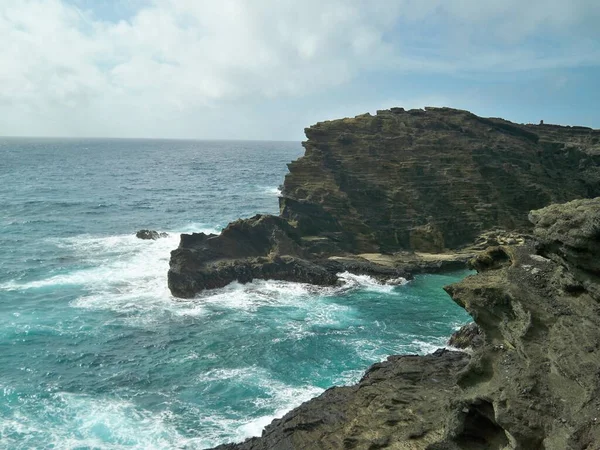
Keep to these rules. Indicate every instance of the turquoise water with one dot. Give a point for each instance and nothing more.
(95, 353)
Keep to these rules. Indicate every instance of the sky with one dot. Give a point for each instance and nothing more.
(265, 69)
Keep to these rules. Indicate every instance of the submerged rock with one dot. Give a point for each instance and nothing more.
(150, 234)
(531, 383)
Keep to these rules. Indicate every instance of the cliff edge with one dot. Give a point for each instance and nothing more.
(531, 384)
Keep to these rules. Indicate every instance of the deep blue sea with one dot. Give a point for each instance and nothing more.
(96, 354)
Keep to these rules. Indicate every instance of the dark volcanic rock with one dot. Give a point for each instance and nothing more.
(532, 383)
(434, 178)
(264, 247)
(468, 336)
(186, 284)
(150, 234)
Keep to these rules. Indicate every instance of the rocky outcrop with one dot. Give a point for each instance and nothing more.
(432, 179)
(570, 235)
(150, 234)
(420, 181)
(531, 384)
(265, 247)
(538, 307)
(468, 336)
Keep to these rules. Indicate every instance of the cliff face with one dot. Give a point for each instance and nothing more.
(530, 383)
(424, 180)
(432, 179)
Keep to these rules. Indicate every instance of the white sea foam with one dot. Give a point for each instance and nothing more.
(116, 424)
(302, 308)
(273, 191)
(284, 398)
(124, 273)
(279, 398)
(128, 275)
(99, 423)
(239, 374)
(73, 421)
(370, 349)
(259, 293)
(427, 347)
(369, 283)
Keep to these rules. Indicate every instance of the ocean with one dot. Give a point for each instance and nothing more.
(94, 351)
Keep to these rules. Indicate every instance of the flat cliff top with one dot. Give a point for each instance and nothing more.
(445, 118)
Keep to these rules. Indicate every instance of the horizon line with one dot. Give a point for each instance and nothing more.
(148, 139)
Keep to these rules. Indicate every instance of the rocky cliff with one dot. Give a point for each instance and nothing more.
(532, 382)
(370, 188)
(434, 178)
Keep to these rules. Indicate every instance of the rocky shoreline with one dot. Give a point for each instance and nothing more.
(531, 382)
(405, 192)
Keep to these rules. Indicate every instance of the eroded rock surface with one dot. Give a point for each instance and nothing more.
(468, 336)
(533, 383)
(538, 306)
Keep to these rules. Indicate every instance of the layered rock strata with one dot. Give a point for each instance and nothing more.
(388, 194)
(533, 383)
(432, 179)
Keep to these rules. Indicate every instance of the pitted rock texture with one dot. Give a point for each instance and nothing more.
(434, 178)
(571, 233)
(532, 384)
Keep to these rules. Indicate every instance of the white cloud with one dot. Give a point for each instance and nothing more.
(66, 71)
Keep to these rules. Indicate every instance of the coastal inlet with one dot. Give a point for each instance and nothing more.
(96, 353)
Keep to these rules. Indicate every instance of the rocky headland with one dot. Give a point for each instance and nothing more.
(394, 194)
(403, 192)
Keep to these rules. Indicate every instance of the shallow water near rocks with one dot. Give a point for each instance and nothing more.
(95, 353)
